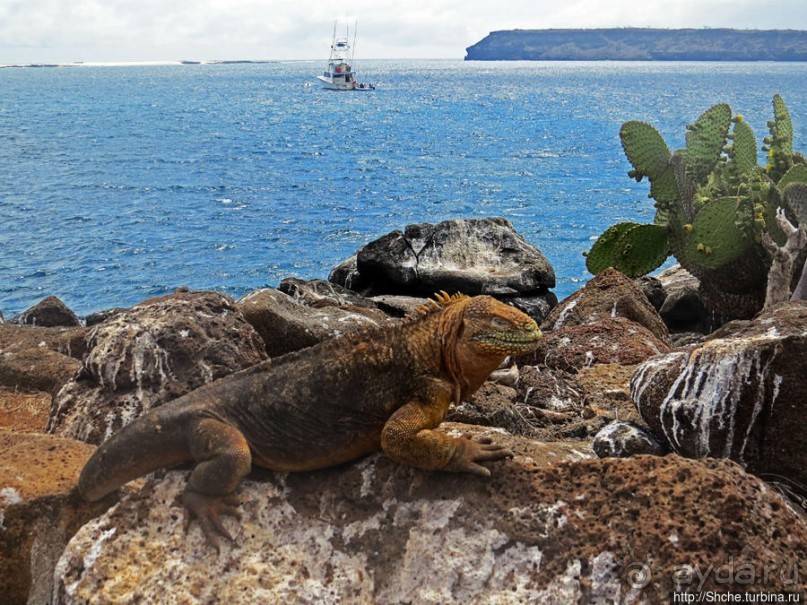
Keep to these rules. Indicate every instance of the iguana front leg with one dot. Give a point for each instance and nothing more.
(223, 458)
(408, 437)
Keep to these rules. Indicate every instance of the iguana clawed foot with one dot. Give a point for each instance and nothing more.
(208, 510)
(469, 453)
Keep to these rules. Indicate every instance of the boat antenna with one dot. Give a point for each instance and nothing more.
(353, 50)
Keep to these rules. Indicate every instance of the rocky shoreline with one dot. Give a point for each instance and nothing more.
(658, 448)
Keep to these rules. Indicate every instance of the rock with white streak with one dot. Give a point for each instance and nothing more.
(741, 395)
(621, 439)
(550, 526)
(156, 351)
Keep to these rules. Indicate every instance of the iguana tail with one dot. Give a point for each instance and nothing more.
(153, 441)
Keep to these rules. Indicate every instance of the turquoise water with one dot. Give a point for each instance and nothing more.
(120, 183)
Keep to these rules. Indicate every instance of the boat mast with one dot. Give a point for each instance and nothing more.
(353, 48)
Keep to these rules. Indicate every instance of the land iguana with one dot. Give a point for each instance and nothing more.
(379, 389)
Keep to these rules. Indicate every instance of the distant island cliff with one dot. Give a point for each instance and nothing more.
(640, 44)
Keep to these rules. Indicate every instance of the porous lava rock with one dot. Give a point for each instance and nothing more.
(37, 369)
(286, 323)
(739, 395)
(472, 256)
(38, 511)
(24, 411)
(156, 351)
(550, 526)
(610, 340)
(608, 294)
(48, 313)
(67, 341)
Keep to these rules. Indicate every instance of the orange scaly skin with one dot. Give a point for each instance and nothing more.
(381, 389)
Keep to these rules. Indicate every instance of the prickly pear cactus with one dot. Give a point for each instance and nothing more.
(639, 248)
(713, 204)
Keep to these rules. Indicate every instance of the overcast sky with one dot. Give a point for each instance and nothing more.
(37, 31)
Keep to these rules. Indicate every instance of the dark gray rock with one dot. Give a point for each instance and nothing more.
(537, 307)
(49, 312)
(398, 305)
(623, 439)
(653, 289)
(474, 256)
(683, 309)
(322, 293)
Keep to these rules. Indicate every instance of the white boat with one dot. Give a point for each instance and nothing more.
(340, 74)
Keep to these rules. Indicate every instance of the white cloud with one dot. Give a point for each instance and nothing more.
(119, 30)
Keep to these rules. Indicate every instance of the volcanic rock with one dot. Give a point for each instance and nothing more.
(621, 439)
(49, 312)
(286, 324)
(38, 511)
(473, 256)
(156, 351)
(550, 526)
(608, 294)
(740, 395)
(612, 340)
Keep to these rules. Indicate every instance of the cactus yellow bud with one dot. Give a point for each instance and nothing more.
(689, 228)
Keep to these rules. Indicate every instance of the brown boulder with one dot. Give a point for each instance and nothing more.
(38, 369)
(153, 353)
(550, 526)
(611, 340)
(67, 341)
(49, 312)
(609, 294)
(739, 396)
(286, 324)
(38, 511)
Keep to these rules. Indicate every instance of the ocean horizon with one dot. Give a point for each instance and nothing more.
(121, 184)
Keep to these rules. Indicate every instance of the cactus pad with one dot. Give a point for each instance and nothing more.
(705, 141)
(650, 157)
(715, 238)
(795, 198)
(645, 148)
(744, 149)
(783, 126)
(631, 248)
(797, 174)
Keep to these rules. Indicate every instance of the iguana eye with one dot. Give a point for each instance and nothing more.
(499, 323)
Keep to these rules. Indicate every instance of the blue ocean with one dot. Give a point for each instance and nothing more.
(118, 183)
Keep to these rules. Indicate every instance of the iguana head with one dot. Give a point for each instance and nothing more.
(493, 329)
(478, 333)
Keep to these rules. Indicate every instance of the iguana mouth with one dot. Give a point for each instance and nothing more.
(521, 341)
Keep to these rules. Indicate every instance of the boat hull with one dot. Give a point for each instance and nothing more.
(330, 85)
